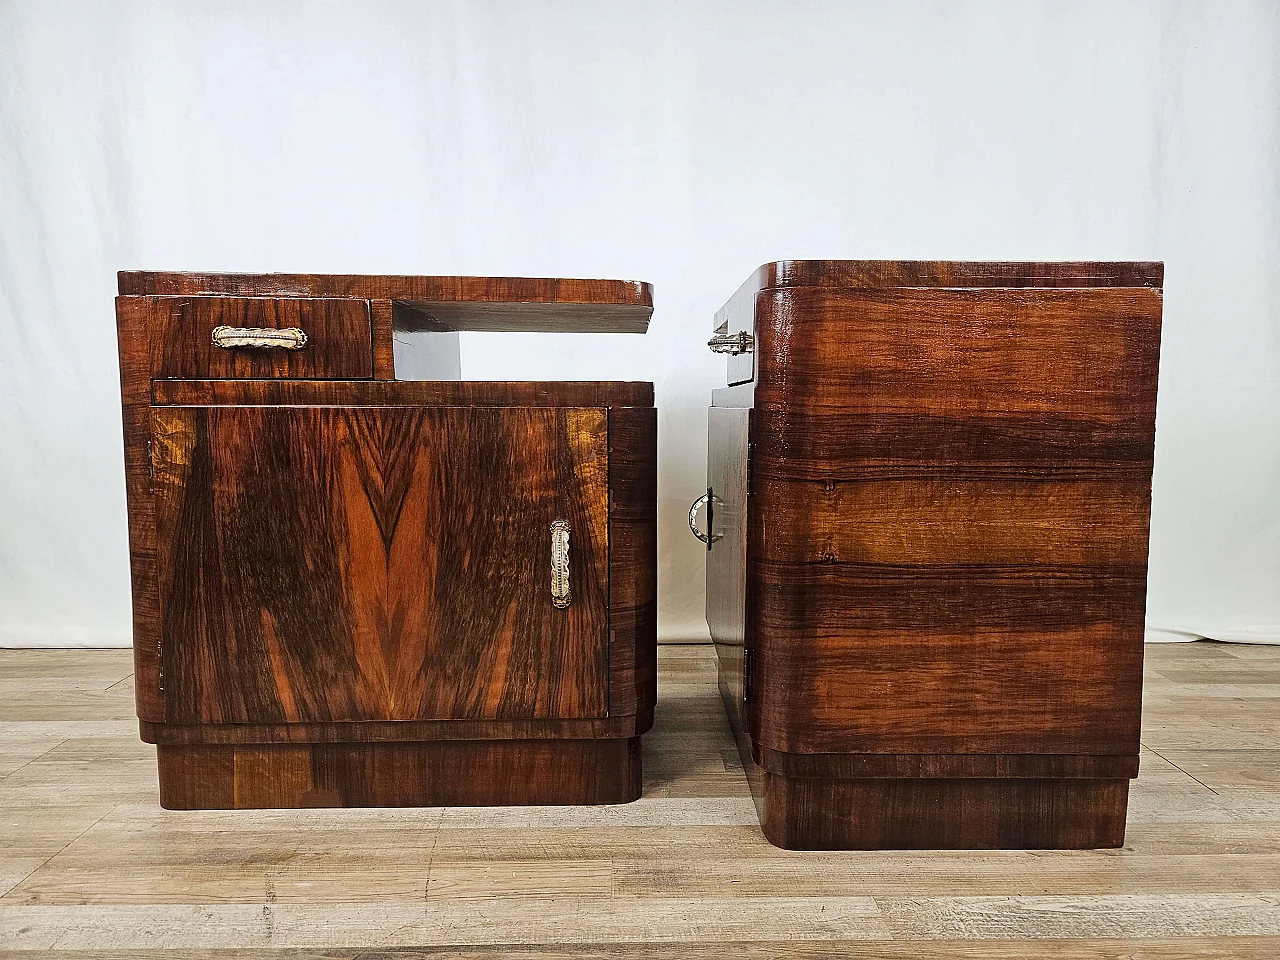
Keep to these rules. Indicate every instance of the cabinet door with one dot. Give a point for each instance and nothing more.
(375, 563)
(727, 446)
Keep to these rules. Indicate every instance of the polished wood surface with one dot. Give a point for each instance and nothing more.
(955, 273)
(133, 328)
(441, 773)
(920, 813)
(380, 564)
(332, 562)
(338, 338)
(442, 303)
(91, 868)
(633, 550)
(404, 393)
(947, 522)
(1077, 355)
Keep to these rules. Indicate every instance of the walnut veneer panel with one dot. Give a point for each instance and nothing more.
(329, 564)
(447, 303)
(442, 773)
(338, 346)
(947, 507)
(405, 393)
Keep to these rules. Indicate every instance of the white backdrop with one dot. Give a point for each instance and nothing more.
(680, 143)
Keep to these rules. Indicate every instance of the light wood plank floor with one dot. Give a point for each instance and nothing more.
(91, 866)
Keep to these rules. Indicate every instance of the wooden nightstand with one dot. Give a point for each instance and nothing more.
(353, 590)
(930, 490)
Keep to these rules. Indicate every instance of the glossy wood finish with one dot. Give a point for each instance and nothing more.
(448, 303)
(404, 393)
(375, 564)
(363, 565)
(338, 338)
(633, 580)
(955, 273)
(925, 814)
(92, 868)
(444, 773)
(133, 328)
(947, 520)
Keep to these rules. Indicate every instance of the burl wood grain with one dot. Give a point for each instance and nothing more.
(331, 564)
(339, 344)
(444, 773)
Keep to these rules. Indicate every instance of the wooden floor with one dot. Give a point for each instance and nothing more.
(91, 866)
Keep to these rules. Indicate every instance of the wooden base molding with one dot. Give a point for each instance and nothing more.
(441, 773)
(917, 814)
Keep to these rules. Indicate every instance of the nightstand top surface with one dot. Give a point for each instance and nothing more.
(497, 304)
(872, 274)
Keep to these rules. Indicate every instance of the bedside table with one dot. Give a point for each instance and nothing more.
(929, 491)
(353, 590)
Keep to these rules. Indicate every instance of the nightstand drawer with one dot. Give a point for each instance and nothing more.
(260, 337)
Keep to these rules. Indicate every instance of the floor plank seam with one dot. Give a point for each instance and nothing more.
(60, 851)
(1176, 767)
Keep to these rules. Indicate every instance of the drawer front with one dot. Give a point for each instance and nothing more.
(260, 338)
(376, 563)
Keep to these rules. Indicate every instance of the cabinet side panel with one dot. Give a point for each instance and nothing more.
(952, 492)
(633, 620)
(132, 327)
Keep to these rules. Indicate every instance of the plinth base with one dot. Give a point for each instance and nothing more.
(403, 774)
(950, 814)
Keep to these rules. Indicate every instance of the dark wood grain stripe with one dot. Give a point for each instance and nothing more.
(881, 599)
(849, 445)
(403, 393)
(859, 766)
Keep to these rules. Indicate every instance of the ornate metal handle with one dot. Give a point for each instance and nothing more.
(708, 500)
(732, 343)
(560, 594)
(259, 338)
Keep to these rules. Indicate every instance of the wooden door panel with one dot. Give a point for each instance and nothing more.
(375, 563)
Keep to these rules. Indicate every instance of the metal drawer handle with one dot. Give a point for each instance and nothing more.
(560, 594)
(732, 343)
(709, 501)
(259, 338)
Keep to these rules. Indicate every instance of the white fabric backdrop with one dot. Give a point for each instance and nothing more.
(680, 143)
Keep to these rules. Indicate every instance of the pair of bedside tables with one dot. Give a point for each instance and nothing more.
(926, 519)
